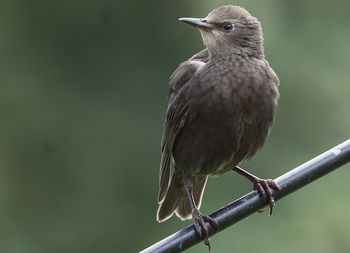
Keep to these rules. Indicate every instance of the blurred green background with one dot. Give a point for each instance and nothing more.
(83, 99)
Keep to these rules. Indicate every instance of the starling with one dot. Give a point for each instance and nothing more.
(221, 106)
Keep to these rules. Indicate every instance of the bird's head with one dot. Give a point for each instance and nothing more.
(230, 29)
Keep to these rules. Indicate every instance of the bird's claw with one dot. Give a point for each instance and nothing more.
(263, 186)
(201, 228)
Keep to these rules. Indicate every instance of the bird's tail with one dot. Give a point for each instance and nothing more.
(176, 199)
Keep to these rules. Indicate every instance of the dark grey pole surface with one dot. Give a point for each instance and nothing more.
(251, 202)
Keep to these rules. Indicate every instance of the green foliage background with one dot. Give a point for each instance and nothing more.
(83, 89)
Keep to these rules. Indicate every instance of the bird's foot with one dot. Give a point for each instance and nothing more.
(201, 229)
(263, 186)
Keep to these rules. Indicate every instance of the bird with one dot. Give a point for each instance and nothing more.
(221, 107)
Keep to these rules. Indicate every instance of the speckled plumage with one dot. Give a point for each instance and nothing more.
(221, 106)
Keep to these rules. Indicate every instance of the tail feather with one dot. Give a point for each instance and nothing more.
(176, 199)
(183, 209)
(172, 197)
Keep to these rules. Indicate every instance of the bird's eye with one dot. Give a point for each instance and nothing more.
(228, 27)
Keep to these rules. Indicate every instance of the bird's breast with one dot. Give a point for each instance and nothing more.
(229, 118)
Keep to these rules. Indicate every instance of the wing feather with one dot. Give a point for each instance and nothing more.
(178, 109)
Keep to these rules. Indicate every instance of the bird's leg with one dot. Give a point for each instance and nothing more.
(198, 218)
(263, 186)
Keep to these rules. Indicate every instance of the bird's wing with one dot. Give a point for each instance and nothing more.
(177, 111)
(202, 56)
(185, 71)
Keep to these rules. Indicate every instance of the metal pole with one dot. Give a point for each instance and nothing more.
(251, 203)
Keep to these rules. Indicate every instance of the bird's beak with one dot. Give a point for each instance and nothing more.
(199, 23)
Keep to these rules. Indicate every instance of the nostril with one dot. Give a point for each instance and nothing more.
(203, 20)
